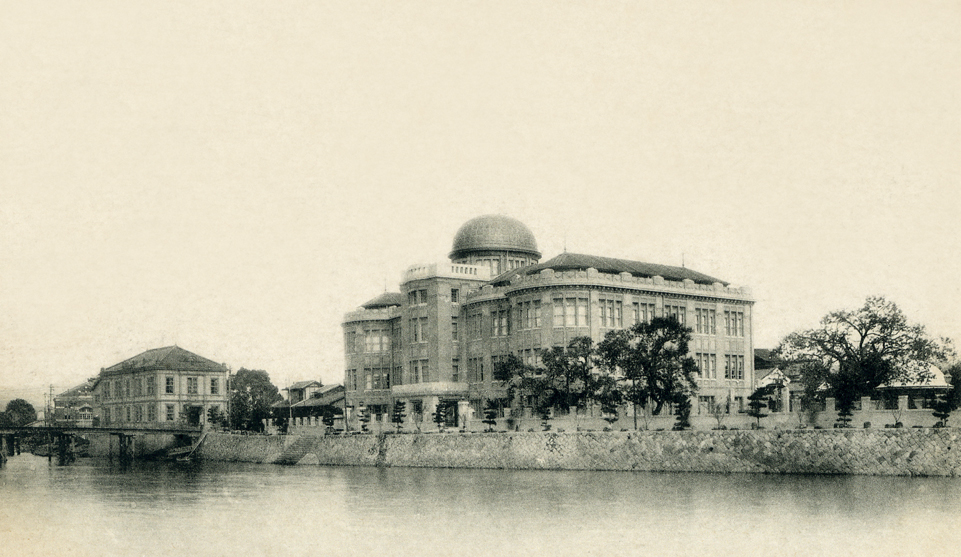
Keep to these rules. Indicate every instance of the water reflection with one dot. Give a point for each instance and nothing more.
(99, 508)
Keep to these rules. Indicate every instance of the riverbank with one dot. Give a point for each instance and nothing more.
(894, 452)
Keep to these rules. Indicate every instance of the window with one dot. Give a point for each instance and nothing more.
(151, 386)
(474, 325)
(152, 413)
(455, 370)
(214, 386)
(137, 387)
(454, 333)
(530, 356)
(528, 315)
(419, 371)
(643, 312)
(377, 377)
(705, 321)
(106, 414)
(137, 414)
(416, 297)
(350, 341)
(126, 390)
(733, 367)
(170, 412)
(169, 387)
(192, 385)
(454, 295)
(570, 312)
(734, 323)
(128, 413)
(500, 321)
(678, 312)
(418, 329)
(352, 379)
(707, 365)
(475, 370)
(376, 340)
(610, 313)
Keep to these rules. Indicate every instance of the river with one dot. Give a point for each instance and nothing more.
(94, 507)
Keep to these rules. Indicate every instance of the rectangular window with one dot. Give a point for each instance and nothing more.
(416, 297)
(152, 413)
(419, 371)
(350, 341)
(610, 313)
(170, 412)
(678, 312)
(128, 413)
(500, 322)
(370, 379)
(643, 312)
(192, 385)
(126, 389)
(418, 329)
(706, 319)
(106, 414)
(151, 385)
(454, 333)
(214, 386)
(454, 295)
(734, 323)
(169, 386)
(455, 370)
(727, 366)
(536, 309)
(137, 387)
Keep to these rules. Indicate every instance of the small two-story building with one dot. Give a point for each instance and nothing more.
(160, 386)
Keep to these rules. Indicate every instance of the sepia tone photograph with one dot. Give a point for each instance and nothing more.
(507, 278)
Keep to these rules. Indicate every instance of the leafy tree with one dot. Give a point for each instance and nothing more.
(363, 416)
(610, 397)
(950, 401)
(398, 415)
(490, 415)
(719, 410)
(328, 419)
(758, 401)
(682, 409)
(251, 394)
(440, 416)
(568, 373)
(216, 417)
(854, 352)
(652, 358)
(19, 412)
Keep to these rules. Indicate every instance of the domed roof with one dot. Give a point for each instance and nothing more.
(494, 232)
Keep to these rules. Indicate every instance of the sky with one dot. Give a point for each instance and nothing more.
(232, 177)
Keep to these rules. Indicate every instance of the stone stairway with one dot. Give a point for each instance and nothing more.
(295, 451)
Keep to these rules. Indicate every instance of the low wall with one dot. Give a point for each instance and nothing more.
(934, 452)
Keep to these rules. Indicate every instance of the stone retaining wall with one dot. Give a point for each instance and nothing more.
(935, 452)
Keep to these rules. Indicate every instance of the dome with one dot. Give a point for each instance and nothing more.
(494, 233)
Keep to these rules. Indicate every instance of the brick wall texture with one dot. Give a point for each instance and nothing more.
(932, 452)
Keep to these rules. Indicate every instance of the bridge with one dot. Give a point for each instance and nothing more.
(63, 434)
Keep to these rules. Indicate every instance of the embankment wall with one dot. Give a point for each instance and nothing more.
(933, 452)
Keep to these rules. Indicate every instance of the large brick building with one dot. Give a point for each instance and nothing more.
(437, 340)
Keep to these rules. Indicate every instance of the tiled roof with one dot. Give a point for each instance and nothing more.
(303, 385)
(171, 358)
(79, 390)
(579, 262)
(386, 299)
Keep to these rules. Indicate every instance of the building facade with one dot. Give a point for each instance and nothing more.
(160, 386)
(436, 342)
(75, 406)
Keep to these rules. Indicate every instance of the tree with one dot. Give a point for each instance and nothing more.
(951, 400)
(854, 352)
(682, 410)
(719, 410)
(216, 417)
(19, 412)
(652, 358)
(490, 415)
(758, 401)
(398, 415)
(251, 394)
(568, 372)
(363, 416)
(440, 416)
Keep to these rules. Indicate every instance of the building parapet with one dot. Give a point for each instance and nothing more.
(591, 277)
(434, 388)
(447, 270)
